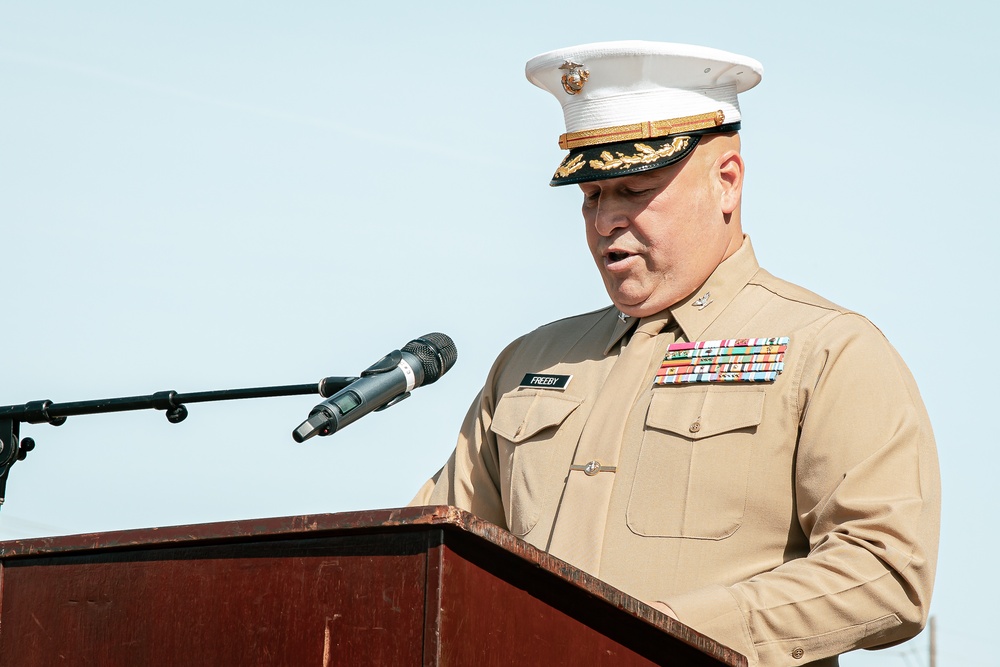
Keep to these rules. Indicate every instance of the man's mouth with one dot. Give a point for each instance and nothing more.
(617, 256)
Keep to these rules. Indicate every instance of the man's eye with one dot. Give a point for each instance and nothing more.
(637, 193)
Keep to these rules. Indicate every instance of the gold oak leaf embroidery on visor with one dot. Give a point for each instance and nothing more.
(574, 165)
(646, 155)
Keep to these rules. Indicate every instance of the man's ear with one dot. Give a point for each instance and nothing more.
(730, 173)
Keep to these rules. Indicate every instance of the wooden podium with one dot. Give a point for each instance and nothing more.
(430, 586)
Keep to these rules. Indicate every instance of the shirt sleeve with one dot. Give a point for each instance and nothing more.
(867, 497)
(470, 480)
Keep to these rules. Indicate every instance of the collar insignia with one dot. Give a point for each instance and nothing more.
(703, 301)
(622, 316)
(731, 360)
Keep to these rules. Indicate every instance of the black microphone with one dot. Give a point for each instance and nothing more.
(388, 381)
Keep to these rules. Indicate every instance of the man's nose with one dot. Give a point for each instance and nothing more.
(611, 214)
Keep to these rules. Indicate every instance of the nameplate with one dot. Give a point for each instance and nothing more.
(545, 381)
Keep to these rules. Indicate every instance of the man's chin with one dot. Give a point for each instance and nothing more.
(635, 298)
(636, 310)
(639, 307)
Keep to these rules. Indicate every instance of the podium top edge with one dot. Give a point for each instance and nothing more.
(307, 525)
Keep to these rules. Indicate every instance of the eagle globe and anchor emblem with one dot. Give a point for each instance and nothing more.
(576, 75)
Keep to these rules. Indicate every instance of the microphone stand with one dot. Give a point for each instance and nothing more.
(13, 449)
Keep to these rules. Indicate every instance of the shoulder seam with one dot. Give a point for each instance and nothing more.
(596, 311)
(819, 302)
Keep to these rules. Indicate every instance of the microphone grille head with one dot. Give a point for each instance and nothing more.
(437, 354)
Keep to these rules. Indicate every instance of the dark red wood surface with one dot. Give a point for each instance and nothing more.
(540, 621)
(417, 586)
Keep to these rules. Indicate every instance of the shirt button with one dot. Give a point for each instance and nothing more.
(695, 427)
(798, 653)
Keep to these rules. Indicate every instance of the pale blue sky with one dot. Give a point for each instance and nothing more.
(203, 195)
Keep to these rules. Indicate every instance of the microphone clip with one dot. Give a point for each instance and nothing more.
(387, 363)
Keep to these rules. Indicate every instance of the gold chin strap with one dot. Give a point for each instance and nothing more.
(638, 131)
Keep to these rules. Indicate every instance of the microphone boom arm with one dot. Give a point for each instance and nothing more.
(12, 449)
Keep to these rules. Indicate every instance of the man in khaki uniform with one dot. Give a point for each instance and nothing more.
(743, 454)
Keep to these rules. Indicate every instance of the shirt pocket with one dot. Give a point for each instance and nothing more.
(694, 463)
(526, 424)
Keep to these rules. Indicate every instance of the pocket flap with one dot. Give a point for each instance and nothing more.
(697, 415)
(522, 414)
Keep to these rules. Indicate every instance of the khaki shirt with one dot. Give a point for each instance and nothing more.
(790, 520)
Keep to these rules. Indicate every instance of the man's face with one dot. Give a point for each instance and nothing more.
(658, 235)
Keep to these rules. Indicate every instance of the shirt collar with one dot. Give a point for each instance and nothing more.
(622, 325)
(653, 324)
(695, 313)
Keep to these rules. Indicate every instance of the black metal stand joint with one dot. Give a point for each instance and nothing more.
(163, 400)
